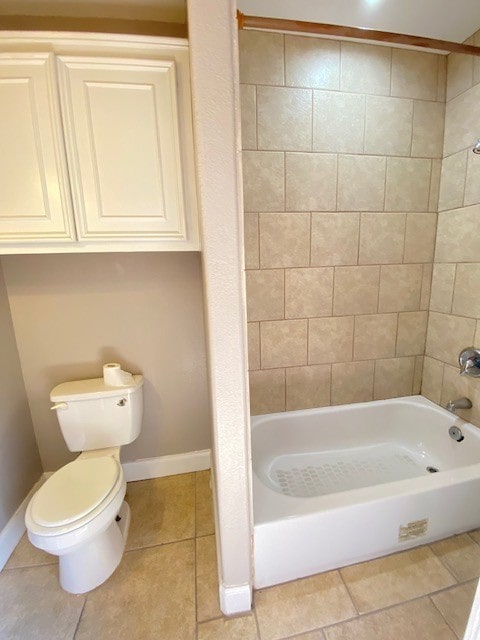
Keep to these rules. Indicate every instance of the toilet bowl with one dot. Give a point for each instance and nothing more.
(79, 513)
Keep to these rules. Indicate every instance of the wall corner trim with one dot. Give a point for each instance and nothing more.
(167, 465)
(12, 532)
(236, 599)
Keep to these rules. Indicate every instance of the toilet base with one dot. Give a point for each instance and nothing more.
(90, 565)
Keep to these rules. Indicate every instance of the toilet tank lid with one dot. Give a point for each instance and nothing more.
(91, 389)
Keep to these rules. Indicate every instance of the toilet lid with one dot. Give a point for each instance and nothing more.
(74, 490)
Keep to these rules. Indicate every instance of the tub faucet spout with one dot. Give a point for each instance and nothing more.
(459, 403)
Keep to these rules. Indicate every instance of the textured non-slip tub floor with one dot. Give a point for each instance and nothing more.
(166, 586)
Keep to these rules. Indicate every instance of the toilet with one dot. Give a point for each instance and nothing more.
(79, 514)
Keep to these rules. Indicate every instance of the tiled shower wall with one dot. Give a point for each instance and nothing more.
(454, 321)
(342, 146)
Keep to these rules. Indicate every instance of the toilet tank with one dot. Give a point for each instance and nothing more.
(93, 415)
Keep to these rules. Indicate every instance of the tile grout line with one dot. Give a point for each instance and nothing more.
(442, 615)
(80, 618)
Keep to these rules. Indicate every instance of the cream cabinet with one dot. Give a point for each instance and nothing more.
(97, 147)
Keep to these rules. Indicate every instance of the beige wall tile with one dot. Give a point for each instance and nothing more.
(393, 378)
(458, 239)
(426, 286)
(330, 340)
(420, 235)
(352, 382)
(434, 185)
(361, 183)
(408, 184)
(265, 294)
(284, 118)
(457, 386)
(414, 74)
(417, 375)
(308, 292)
(402, 576)
(412, 333)
(400, 287)
(267, 391)
(311, 182)
(283, 343)
(239, 628)
(365, 68)
(466, 301)
(261, 57)
(447, 336)
(338, 122)
(432, 379)
(312, 62)
(284, 240)
(460, 554)
(355, 290)
(455, 605)
(248, 108)
(302, 605)
(263, 181)
(382, 237)
(472, 182)
(452, 181)
(388, 126)
(335, 238)
(428, 126)
(308, 387)
(461, 121)
(253, 345)
(459, 74)
(442, 78)
(417, 619)
(252, 248)
(374, 336)
(443, 279)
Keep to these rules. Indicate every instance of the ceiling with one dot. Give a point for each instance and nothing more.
(453, 20)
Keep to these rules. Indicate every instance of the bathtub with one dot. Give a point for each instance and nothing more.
(340, 485)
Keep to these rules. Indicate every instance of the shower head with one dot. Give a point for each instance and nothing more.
(476, 147)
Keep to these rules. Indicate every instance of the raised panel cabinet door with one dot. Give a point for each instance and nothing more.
(35, 202)
(121, 128)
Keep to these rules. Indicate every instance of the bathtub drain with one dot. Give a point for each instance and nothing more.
(432, 470)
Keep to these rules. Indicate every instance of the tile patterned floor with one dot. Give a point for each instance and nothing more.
(166, 587)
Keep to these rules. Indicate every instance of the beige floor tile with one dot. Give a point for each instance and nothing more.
(241, 628)
(26, 555)
(151, 595)
(455, 604)
(393, 579)
(34, 607)
(313, 635)
(208, 606)
(417, 620)
(461, 556)
(163, 510)
(303, 605)
(205, 524)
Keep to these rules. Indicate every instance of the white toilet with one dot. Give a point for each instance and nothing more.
(79, 513)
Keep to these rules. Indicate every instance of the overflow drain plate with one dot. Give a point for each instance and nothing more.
(432, 470)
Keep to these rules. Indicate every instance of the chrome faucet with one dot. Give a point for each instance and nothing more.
(469, 360)
(459, 403)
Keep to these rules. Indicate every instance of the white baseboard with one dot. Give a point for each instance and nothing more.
(15, 528)
(167, 465)
(235, 600)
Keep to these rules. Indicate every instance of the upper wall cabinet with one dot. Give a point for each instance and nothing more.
(97, 146)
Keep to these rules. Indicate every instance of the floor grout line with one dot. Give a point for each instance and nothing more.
(80, 618)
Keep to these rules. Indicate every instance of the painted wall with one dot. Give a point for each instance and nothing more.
(20, 466)
(342, 146)
(454, 321)
(72, 313)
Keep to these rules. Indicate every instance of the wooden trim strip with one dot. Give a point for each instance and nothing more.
(299, 26)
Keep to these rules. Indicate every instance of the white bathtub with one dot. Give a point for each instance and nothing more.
(339, 485)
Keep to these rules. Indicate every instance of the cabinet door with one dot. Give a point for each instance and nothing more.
(34, 191)
(121, 128)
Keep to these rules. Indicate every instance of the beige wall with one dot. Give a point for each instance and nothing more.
(341, 170)
(20, 464)
(72, 313)
(454, 321)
